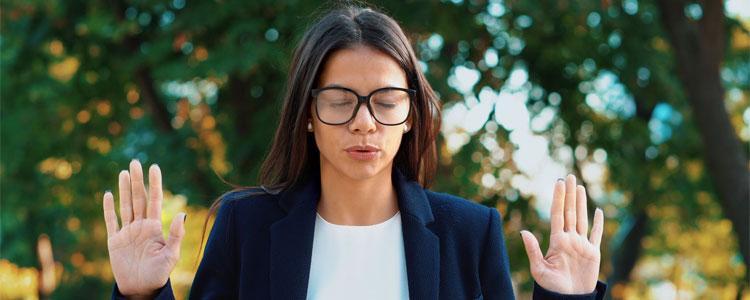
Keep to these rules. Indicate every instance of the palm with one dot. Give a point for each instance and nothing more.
(139, 255)
(141, 258)
(571, 265)
(568, 255)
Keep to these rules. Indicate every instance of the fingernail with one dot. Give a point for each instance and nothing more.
(560, 179)
(107, 191)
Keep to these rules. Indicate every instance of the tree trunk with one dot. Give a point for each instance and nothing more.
(628, 251)
(698, 48)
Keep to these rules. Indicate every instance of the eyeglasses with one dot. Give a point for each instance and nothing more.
(389, 106)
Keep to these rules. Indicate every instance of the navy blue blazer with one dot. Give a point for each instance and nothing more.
(261, 244)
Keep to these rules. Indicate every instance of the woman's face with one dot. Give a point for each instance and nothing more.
(362, 69)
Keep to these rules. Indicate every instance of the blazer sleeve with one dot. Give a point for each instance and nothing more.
(541, 293)
(494, 271)
(164, 293)
(216, 277)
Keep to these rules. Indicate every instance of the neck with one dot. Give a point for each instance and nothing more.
(348, 201)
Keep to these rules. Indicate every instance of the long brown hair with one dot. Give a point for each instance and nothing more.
(293, 155)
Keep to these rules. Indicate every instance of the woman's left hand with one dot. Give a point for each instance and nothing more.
(571, 265)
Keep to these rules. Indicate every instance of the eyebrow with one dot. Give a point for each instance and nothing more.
(334, 85)
(343, 86)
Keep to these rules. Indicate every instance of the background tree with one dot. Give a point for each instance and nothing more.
(647, 101)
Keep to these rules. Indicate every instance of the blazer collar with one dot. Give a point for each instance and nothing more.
(292, 239)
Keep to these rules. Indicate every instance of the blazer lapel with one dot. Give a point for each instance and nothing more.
(292, 240)
(421, 245)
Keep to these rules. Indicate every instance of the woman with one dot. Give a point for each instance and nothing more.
(343, 212)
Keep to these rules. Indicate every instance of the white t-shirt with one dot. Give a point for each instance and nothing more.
(358, 262)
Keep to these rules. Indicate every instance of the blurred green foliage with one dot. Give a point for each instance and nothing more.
(196, 87)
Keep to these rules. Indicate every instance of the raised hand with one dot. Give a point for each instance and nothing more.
(571, 265)
(141, 258)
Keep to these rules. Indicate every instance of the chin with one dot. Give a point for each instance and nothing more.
(352, 168)
(360, 171)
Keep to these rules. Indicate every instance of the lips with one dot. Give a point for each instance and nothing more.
(362, 148)
(363, 152)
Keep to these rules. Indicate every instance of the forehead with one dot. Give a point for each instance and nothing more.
(362, 69)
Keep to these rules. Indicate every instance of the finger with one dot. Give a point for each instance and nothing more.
(597, 228)
(570, 203)
(533, 251)
(154, 193)
(110, 217)
(582, 224)
(176, 233)
(138, 190)
(126, 205)
(556, 214)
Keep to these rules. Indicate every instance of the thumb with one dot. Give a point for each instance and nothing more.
(532, 250)
(176, 233)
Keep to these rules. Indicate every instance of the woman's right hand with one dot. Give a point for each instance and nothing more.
(141, 258)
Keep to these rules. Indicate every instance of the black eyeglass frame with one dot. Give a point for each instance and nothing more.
(362, 99)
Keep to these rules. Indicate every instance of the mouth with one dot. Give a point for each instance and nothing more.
(363, 148)
(365, 152)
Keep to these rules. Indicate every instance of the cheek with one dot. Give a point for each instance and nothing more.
(393, 142)
(322, 140)
(328, 140)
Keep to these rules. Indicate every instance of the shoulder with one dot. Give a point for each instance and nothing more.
(254, 204)
(459, 215)
(248, 196)
(456, 206)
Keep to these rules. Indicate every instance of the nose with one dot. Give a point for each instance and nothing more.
(363, 121)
